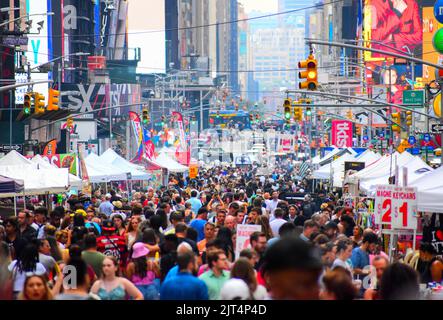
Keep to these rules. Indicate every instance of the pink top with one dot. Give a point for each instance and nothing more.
(148, 279)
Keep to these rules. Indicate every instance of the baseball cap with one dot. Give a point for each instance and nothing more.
(235, 289)
(108, 196)
(108, 225)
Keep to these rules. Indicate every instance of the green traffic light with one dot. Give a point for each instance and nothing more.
(287, 115)
(26, 111)
(308, 112)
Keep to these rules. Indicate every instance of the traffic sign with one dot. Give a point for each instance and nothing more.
(438, 10)
(437, 128)
(414, 151)
(414, 97)
(412, 140)
(427, 137)
(365, 138)
(5, 148)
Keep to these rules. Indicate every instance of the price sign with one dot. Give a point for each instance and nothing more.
(396, 206)
(404, 208)
(193, 171)
(383, 204)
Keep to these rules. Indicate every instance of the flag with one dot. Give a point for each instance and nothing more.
(302, 171)
(136, 126)
(359, 31)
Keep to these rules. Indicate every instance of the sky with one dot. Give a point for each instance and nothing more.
(260, 5)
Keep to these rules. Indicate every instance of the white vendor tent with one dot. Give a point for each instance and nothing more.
(317, 159)
(100, 171)
(111, 157)
(41, 163)
(416, 168)
(430, 191)
(167, 162)
(36, 180)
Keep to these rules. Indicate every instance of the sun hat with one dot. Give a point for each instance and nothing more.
(79, 211)
(235, 289)
(118, 204)
(121, 214)
(139, 250)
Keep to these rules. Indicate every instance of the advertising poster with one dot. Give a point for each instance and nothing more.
(244, 231)
(392, 26)
(430, 26)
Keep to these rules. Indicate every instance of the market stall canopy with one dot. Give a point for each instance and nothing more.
(37, 181)
(41, 163)
(416, 169)
(317, 159)
(430, 181)
(13, 158)
(111, 157)
(168, 163)
(99, 171)
(9, 185)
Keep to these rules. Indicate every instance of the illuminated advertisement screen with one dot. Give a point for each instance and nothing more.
(393, 26)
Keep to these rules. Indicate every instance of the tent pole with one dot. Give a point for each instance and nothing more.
(15, 206)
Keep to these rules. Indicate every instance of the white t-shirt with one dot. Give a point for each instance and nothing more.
(20, 277)
(276, 224)
(260, 293)
(271, 205)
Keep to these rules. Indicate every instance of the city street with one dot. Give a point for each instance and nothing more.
(221, 150)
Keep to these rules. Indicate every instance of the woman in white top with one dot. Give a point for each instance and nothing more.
(25, 265)
(131, 233)
(242, 269)
(344, 253)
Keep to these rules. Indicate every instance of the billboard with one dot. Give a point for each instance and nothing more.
(38, 44)
(430, 26)
(392, 26)
(146, 30)
(342, 133)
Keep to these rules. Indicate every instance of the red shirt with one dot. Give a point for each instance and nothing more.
(113, 245)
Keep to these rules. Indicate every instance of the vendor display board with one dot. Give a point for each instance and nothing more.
(396, 206)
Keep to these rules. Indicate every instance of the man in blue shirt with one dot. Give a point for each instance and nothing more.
(184, 286)
(360, 255)
(106, 206)
(199, 223)
(196, 204)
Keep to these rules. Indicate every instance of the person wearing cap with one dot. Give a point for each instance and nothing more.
(143, 272)
(291, 269)
(216, 277)
(106, 206)
(111, 244)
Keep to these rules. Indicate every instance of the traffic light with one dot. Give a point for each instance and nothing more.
(251, 117)
(218, 114)
(298, 114)
(310, 74)
(39, 103)
(308, 111)
(53, 100)
(193, 120)
(70, 122)
(396, 117)
(145, 116)
(28, 103)
(349, 114)
(287, 107)
(163, 121)
(409, 118)
(358, 130)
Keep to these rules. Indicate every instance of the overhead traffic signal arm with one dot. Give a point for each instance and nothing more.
(310, 74)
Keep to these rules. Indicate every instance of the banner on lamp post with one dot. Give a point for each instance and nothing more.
(342, 133)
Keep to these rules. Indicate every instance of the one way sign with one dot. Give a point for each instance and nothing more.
(437, 128)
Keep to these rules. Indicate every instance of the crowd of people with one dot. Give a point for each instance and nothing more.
(179, 242)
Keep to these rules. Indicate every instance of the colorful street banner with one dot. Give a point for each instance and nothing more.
(64, 160)
(179, 118)
(149, 149)
(244, 231)
(136, 126)
(342, 133)
(50, 147)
